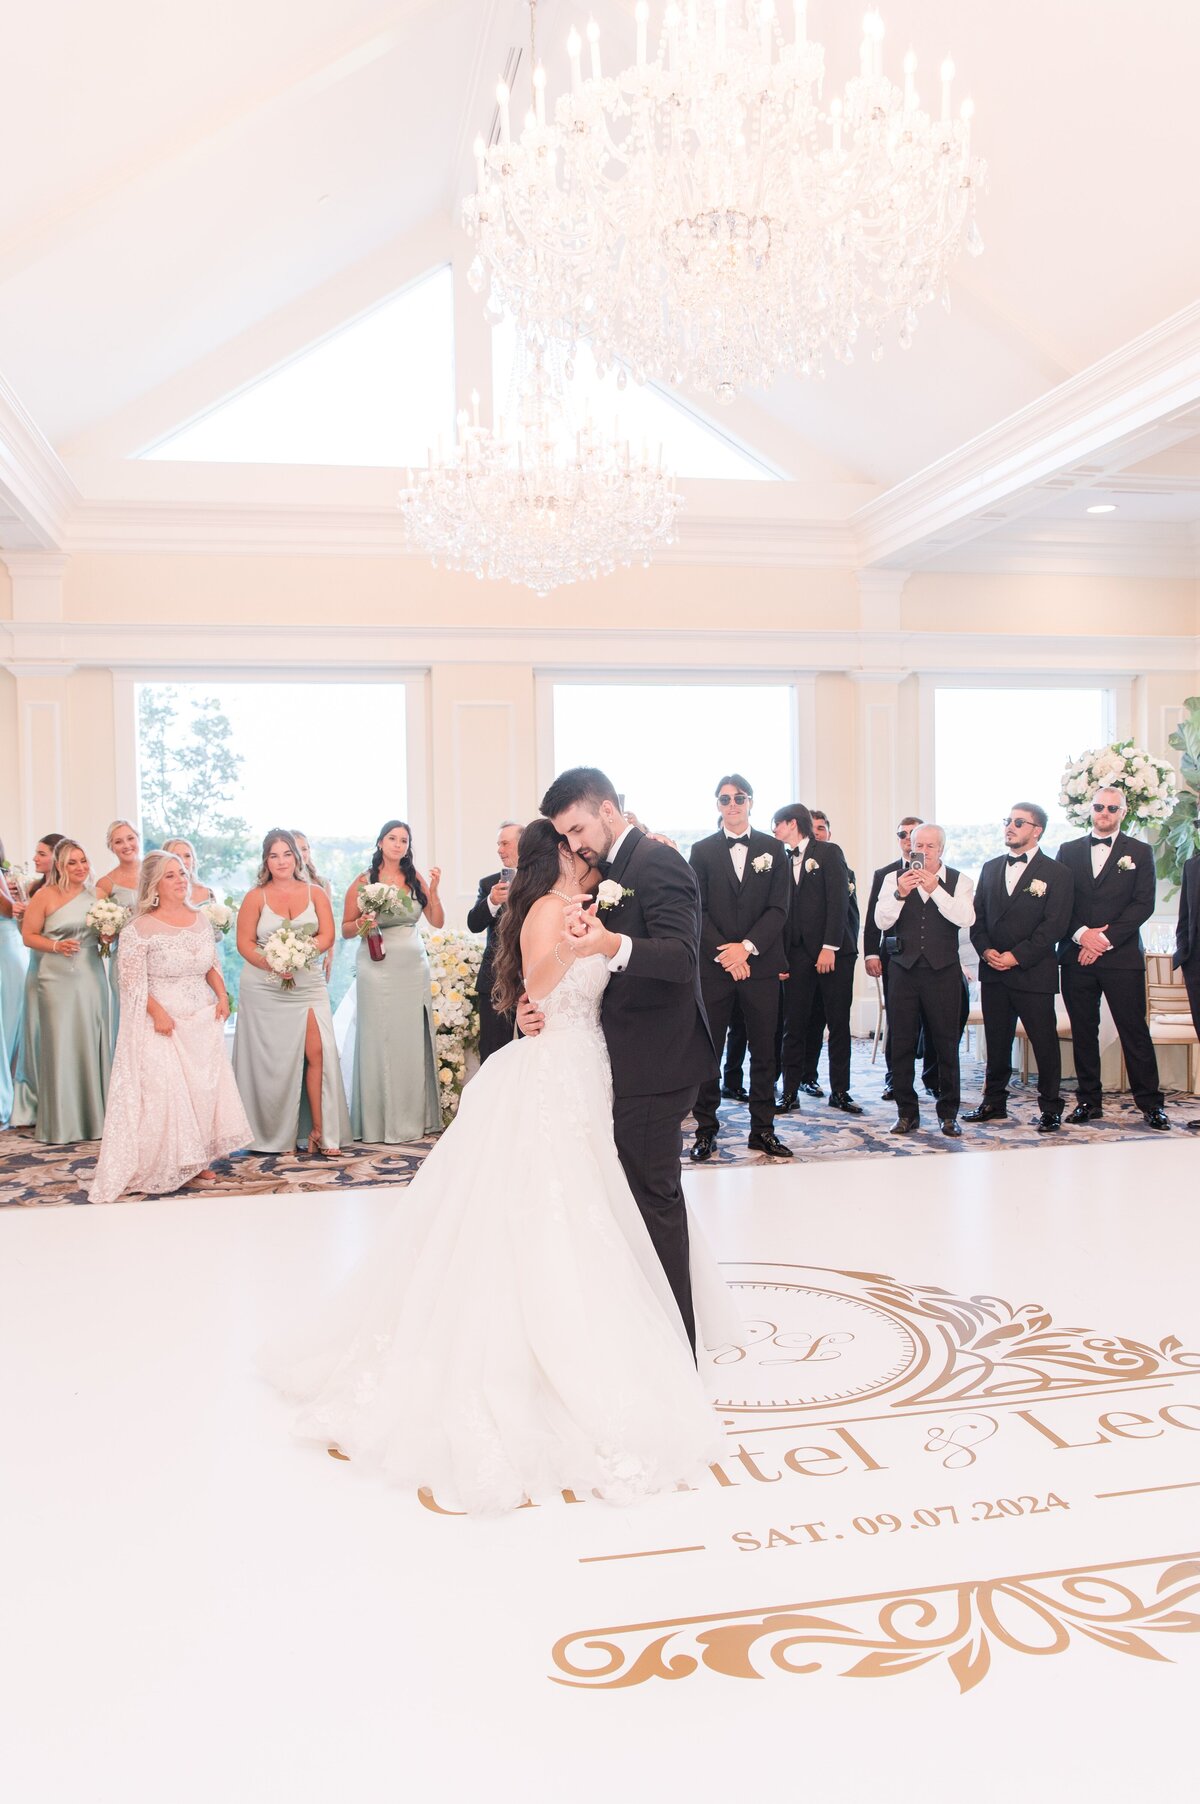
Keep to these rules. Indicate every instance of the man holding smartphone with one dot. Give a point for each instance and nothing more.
(495, 1030)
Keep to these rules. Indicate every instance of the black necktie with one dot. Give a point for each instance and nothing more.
(743, 841)
(1100, 842)
(1020, 858)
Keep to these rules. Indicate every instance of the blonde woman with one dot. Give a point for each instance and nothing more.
(121, 885)
(74, 1006)
(173, 1105)
(199, 893)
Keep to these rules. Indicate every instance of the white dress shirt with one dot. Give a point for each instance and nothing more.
(1013, 873)
(800, 849)
(739, 855)
(958, 908)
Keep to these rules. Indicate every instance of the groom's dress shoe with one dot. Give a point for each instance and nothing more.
(1084, 1112)
(706, 1143)
(735, 1092)
(907, 1124)
(1157, 1118)
(770, 1144)
(842, 1099)
(951, 1129)
(788, 1101)
(812, 1088)
(987, 1111)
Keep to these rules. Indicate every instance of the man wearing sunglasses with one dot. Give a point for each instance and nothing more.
(1022, 909)
(1102, 957)
(743, 877)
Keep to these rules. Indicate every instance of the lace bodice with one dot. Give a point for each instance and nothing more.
(178, 960)
(575, 1002)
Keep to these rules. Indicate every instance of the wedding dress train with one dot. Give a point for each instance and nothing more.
(514, 1334)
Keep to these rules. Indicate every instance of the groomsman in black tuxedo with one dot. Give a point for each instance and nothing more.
(809, 1084)
(920, 913)
(1022, 909)
(495, 1030)
(1102, 957)
(743, 878)
(1187, 941)
(820, 955)
(875, 958)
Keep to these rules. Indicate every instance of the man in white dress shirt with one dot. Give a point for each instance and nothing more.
(920, 916)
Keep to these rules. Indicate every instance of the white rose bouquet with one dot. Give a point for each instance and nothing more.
(288, 950)
(375, 899)
(454, 961)
(1147, 784)
(219, 916)
(107, 918)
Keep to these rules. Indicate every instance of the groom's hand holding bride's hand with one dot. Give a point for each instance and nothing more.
(587, 933)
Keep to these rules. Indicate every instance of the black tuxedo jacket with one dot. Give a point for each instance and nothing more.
(480, 919)
(1119, 900)
(849, 947)
(820, 902)
(1187, 933)
(755, 909)
(1026, 925)
(871, 934)
(653, 1014)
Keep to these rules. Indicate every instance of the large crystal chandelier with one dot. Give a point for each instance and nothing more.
(706, 217)
(538, 505)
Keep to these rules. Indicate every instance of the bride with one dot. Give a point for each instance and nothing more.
(514, 1336)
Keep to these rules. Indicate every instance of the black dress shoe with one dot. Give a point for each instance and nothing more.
(842, 1099)
(1049, 1121)
(770, 1144)
(888, 1094)
(1083, 1112)
(929, 1089)
(1157, 1119)
(706, 1144)
(812, 1088)
(1193, 1127)
(907, 1124)
(952, 1130)
(987, 1111)
(788, 1101)
(735, 1093)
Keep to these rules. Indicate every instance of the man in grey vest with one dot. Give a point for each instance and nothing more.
(920, 917)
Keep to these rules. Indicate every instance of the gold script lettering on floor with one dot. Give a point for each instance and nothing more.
(963, 1454)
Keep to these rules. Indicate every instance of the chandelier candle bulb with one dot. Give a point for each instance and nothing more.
(574, 46)
(642, 14)
(593, 37)
(947, 81)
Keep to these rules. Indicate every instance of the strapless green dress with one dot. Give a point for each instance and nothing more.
(394, 1092)
(73, 1036)
(268, 1050)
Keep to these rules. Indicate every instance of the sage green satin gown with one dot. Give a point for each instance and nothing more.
(127, 898)
(394, 1092)
(268, 1050)
(13, 961)
(73, 1035)
(24, 1103)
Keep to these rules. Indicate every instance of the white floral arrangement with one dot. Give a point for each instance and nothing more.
(609, 893)
(219, 915)
(107, 918)
(1038, 887)
(763, 862)
(454, 961)
(288, 950)
(810, 864)
(1126, 863)
(1147, 784)
(375, 899)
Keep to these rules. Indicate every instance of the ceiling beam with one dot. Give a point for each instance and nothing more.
(37, 496)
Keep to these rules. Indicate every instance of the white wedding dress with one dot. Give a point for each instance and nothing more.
(514, 1334)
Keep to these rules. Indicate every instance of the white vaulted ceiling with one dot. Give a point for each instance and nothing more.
(204, 192)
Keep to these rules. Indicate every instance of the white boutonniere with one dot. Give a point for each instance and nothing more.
(763, 862)
(851, 888)
(1037, 887)
(810, 864)
(1126, 863)
(610, 893)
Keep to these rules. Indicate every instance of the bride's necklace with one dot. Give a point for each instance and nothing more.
(562, 895)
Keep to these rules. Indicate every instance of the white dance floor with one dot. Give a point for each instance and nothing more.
(953, 1551)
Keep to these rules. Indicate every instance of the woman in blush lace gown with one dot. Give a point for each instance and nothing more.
(173, 1105)
(515, 1335)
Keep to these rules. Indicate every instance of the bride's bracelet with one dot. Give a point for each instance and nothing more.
(565, 963)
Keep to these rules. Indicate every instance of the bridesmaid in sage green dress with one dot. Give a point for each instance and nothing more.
(24, 1106)
(74, 1039)
(125, 843)
(284, 1055)
(13, 961)
(394, 1091)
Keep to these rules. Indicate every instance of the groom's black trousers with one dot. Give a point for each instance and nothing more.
(649, 1135)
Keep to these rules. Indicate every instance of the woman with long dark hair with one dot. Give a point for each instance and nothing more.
(515, 1335)
(393, 1087)
(74, 1040)
(24, 1100)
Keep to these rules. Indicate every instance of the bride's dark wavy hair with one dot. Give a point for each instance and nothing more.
(538, 872)
(408, 869)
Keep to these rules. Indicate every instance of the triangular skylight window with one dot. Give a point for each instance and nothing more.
(648, 416)
(379, 391)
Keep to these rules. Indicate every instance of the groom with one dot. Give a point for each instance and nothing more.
(653, 1015)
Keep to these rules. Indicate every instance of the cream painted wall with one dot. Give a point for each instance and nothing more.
(1048, 603)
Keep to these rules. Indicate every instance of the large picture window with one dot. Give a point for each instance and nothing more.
(666, 745)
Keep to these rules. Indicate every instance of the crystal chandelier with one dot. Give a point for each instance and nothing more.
(706, 218)
(538, 506)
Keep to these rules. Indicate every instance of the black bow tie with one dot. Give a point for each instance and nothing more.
(1019, 858)
(743, 841)
(794, 851)
(1100, 842)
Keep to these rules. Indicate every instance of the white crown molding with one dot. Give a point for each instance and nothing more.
(37, 495)
(1064, 548)
(1146, 381)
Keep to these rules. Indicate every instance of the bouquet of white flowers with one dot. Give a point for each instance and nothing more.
(375, 899)
(288, 950)
(1147, 784)
(219, 916)
(454, 961)
(108, 918)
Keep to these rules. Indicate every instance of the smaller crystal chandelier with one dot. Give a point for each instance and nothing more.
(534, 506)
